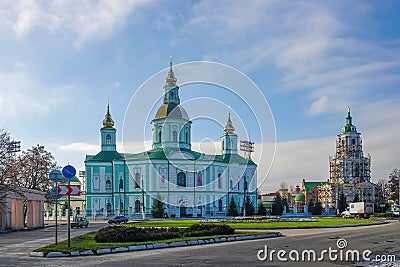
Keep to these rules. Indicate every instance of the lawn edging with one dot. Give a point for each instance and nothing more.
(318, 226)
(103, 251)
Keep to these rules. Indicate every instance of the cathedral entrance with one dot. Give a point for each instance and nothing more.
(182, 211)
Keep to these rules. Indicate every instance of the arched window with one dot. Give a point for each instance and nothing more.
(245, 184)
(137, 180)
(108, 139)
(108, 185)
(175, 136)
(137, 206)
(199, 179)
(108, 207)
(220, 204)
(223, 145)
(219, 180)
(230, 184)
(159, 136)
(121, 184)
(187, 136)
(172, 95)
(181, 179)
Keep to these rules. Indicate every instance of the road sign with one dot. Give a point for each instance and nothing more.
(54, 193)
(69, 190)
(69, 171)
(55, 176)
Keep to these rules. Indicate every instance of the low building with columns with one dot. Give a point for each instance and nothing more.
(190, 183)
(14, 201)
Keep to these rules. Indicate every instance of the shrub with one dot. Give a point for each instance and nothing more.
(139, 234)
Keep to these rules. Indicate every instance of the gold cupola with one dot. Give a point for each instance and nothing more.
(229, 129)
(108, 121)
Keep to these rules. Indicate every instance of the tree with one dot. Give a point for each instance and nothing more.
(317, 209)
(232, 208)
(157, 210)
(277, 205)
(262, 211)
(383, 192)
(249, 207)
(33, 168)
(310, 205)
(285, 203)
(393, 182)
(342, 202)
(7, 161)
(356, 198)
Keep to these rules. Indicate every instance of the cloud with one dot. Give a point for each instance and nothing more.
(318, 106)
(83, 19)
(20, 95)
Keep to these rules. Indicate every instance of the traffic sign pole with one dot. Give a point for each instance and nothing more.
(69, 172)
(56, 176)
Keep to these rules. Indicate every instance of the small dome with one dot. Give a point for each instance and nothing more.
(171, 110)
(299, 197)
(108, 121)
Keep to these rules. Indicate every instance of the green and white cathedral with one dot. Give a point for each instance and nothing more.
(190, 183)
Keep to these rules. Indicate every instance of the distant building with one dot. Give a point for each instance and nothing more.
(350, 170)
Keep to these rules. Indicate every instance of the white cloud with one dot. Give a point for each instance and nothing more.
(21, 95)
(80, 147)
(84, 19)
(318, 106)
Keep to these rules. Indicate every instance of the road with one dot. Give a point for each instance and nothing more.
(382, 240)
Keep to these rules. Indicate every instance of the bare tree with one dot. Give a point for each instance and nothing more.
(33, 168)
(393, 182)
(8, 160)
(383, 190)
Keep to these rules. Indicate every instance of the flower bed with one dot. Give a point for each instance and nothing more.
(258, 219)
(139, 234)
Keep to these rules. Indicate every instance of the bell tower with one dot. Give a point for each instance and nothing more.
(108, 132)
(229, 138)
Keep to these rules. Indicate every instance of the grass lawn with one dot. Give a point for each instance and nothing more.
(87, 242)
(259, 225)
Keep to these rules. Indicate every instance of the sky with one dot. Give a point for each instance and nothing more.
(63, 61)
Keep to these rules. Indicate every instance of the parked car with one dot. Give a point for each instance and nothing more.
(118, 220)
(80, 222)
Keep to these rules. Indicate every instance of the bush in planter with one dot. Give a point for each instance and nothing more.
(208, 229)
(135, 234)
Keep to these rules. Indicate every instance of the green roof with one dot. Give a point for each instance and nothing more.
(299, 197)
(310, 185)
(104, 156)
(72, 180)
(164, 154)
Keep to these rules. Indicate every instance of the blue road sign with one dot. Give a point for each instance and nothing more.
(54, 192)
(69, 171)
(55, 176)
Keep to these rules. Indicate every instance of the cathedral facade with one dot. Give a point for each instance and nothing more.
(189, 183)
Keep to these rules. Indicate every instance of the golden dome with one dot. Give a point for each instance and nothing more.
(229, 129)
(108, 121)
(171, 110)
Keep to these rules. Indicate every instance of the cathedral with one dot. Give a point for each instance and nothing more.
(189, 183)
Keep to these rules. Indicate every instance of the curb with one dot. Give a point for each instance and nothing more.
(55, 254)
(321, 226)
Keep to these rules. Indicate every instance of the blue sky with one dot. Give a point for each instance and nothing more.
(61, 61)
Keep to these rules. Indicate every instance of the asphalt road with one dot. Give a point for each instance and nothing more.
(382, 240)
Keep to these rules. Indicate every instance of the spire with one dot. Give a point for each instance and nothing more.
(348, 118)
(170, 80)
(229, 129)
(108, 121)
